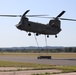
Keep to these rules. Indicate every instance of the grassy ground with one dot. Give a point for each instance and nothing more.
(39, 66)
(54, 55)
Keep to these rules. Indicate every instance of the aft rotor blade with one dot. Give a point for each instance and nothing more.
(67, 19)
(60, 14)
(58, 18)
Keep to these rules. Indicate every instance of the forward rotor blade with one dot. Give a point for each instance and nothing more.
(43, 16)
(10, 15)
(60, 14)
(36, 15)
(21, 15)
(25, 13)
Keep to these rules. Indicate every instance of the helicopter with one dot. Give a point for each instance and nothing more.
(51, 28)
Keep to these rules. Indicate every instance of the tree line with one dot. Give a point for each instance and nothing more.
(56, 50)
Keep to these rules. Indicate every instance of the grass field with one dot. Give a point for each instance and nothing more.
(34, 66)
(54, 55)
(39, 66)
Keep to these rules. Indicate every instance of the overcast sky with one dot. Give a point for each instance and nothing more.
(10, 36)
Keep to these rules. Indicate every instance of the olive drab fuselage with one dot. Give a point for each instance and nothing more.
(52, 28)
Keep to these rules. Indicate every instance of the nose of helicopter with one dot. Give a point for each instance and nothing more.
(18, 26)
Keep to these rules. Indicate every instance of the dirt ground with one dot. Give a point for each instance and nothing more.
(74, 73)
(29, 72)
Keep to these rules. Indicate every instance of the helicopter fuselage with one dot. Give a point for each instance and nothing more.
(38, 28)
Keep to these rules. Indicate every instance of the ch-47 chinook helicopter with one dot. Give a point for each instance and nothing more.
(52, 28)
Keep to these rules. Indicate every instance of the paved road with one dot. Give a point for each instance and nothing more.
(53, 61)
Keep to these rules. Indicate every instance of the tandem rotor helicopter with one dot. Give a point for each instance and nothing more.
(52, 28)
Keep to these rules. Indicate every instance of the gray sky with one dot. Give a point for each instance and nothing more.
(10, 36)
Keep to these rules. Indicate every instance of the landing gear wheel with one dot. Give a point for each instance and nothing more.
(55, 36)
(47, 36)
(29, 34)
(37, 34)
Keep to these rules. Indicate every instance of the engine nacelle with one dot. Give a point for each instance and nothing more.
(55, 23)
